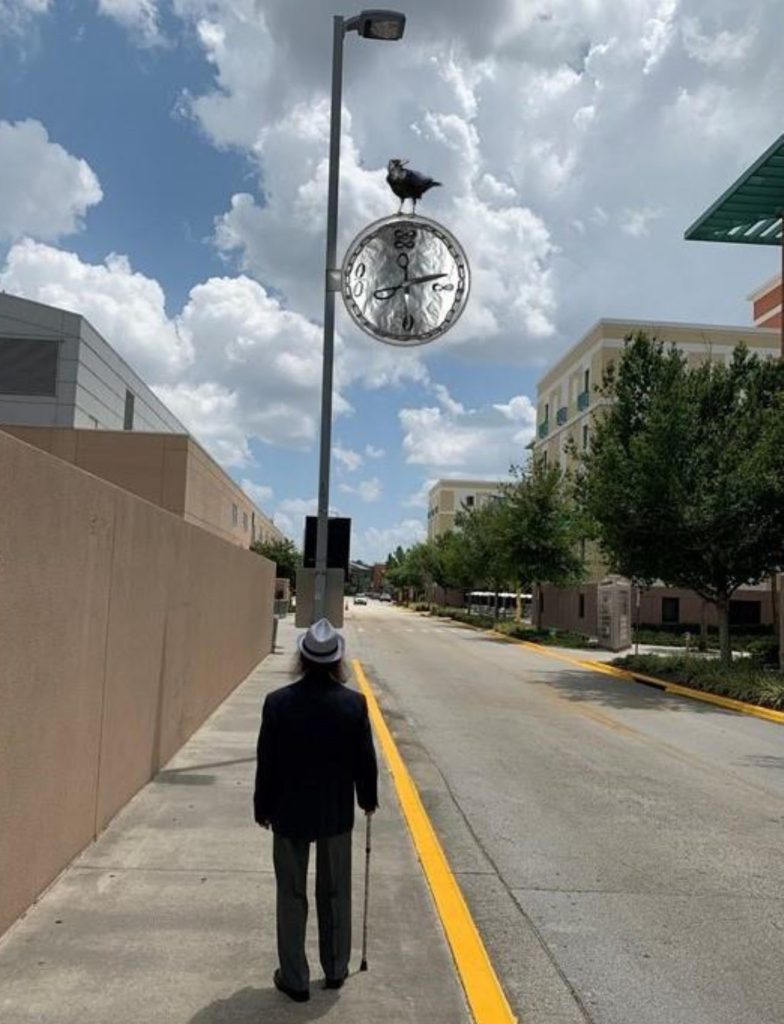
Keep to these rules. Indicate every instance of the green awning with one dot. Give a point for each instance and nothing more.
(750, 211)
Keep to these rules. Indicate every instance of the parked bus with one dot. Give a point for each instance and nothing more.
(482, 602)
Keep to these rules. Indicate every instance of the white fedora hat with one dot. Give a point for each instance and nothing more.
(322, 643)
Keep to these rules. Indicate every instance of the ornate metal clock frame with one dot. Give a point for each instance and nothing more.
(405, 280)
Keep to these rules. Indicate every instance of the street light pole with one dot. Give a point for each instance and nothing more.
(371, 24)
(331, 285)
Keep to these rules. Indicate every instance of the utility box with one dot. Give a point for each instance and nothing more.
(614, 605)
(306, 584)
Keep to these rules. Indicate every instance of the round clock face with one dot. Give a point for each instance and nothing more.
(405, 280)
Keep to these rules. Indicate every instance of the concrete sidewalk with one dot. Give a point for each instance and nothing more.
(170, 915)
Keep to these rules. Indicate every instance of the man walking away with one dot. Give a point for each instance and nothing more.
(315, 746)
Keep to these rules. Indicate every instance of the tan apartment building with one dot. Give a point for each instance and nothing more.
(567, 402)
(448, 497)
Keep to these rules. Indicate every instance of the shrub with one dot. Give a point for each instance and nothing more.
(743, 680)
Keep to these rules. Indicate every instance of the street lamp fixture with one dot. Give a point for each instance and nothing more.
(388, 25)
(370, 24)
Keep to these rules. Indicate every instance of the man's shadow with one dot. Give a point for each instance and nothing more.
(265, 1006)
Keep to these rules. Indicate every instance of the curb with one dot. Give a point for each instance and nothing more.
(666, 685)
(484, 993)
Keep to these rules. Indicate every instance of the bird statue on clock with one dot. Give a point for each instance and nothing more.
(408, 184)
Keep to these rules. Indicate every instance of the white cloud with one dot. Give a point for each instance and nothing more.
(473, 442)
(140, 17)
(519, 409)
(717, 49)
(232, 365)
(419, 498)
(258, 493)
(658, 32)
(16, 15)
(126, 307)
(348, 458)
(637, 222)
(374, 544)
(446, 400)
(44, 191)
(367, 490)
(374, 453)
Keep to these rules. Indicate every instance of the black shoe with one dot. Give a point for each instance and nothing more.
(299, 995)
(335, 982)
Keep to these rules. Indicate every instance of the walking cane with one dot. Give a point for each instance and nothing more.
(363, 966)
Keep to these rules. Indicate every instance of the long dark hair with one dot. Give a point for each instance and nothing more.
(334, 672)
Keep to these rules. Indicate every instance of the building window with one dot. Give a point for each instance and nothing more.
(587, 380)
(585, 436)
(581, 606)
(469, 501)
(234, 515)
(245, 521)
(546, 411)
(129, 404)
(670, 611)
(745, 613)
(544, 458)
(28, 366)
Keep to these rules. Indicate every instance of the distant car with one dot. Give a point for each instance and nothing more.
(386, 597)
(360, 599)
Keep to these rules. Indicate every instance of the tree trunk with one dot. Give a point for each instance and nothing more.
(703, 644)
(537, 610)
(723, 612)
(495, 605)
(774, 601)
(518, 604)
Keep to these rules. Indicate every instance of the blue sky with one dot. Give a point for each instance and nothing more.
(162, 171)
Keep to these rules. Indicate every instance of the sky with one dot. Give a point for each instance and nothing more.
(163, 169)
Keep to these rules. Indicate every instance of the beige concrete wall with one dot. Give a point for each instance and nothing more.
(170, 470)
(561, 606)
(209, 499)
(121, 629)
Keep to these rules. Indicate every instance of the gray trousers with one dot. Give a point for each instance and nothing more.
(333, 905)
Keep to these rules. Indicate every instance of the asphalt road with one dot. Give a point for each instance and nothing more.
(620, 850)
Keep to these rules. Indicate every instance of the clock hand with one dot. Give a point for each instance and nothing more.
(424, 280)
(387, 293)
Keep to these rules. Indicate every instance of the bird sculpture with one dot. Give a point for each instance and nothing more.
(407, 184)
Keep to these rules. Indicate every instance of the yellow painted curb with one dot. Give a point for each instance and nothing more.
(483, 990)
(728, 703)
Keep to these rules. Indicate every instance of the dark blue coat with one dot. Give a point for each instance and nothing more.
(315, 746)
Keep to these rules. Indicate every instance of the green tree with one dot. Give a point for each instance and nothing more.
(284, 554)
(481, 558)
(541, 527)
(684, 479)
(406, 568)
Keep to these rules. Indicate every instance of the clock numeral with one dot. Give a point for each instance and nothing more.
(360, 271)
(405, 238)
(438, 287)
(359, 287)
(408, 322)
